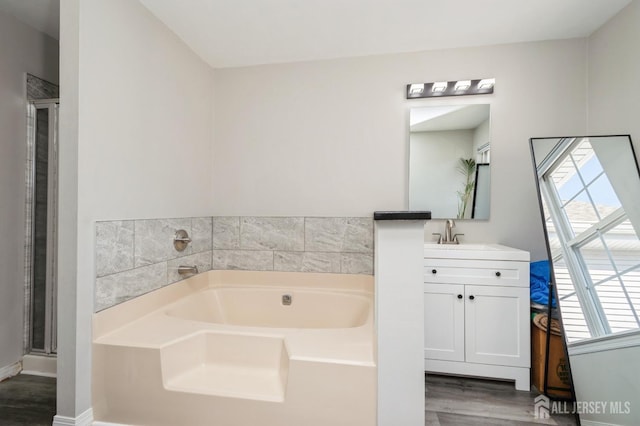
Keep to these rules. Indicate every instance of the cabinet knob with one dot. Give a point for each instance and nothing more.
(472, 297)
(434, 271)
(459, 296)
(498, 273)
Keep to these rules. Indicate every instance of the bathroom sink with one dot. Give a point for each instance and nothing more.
(474, 251)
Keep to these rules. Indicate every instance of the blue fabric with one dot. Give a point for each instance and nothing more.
(539, 282)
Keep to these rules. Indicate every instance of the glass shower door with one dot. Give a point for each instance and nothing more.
(41, 225)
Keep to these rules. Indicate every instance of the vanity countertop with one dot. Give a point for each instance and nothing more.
(475, 252)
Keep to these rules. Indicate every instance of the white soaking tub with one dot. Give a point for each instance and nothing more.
(240, 348)
(277, 307)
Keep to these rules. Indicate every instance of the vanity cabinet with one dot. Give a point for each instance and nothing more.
(477, 313)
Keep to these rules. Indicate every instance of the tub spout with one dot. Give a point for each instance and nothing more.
(185, 270)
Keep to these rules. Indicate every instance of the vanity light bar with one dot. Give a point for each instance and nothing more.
(462, 85)
(450, 88)
(439, 86)
(415, 89)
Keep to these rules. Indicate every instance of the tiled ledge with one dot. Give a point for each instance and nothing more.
(134, 257)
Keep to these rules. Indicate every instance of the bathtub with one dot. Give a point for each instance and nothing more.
(239, 348)
(266, 307)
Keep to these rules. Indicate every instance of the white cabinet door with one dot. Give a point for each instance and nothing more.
(497, 325)
(444, 322)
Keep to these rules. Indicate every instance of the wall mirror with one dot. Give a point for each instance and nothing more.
(589, 189)
(449, 160)
(589, 194)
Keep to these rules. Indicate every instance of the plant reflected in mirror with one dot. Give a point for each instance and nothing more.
(467, 168)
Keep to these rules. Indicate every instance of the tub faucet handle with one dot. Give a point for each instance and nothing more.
(181, 240)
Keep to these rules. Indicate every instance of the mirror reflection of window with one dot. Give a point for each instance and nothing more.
(593, 242)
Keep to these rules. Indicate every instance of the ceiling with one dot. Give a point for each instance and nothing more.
(238, 33)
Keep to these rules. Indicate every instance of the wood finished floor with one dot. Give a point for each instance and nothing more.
(458, 401)
(27, 400)
(450, 401)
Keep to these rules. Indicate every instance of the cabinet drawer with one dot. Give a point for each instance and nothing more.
(479, 272)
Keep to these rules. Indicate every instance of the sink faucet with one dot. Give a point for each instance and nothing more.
(448, 238)
(448, 226)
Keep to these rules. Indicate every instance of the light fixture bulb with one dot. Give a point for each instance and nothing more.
(462, 85)
(486, 83)
(416, 89)
(439, 86)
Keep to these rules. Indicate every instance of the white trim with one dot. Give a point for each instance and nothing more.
(591, 423)
(39, 365)
(605, 343)
(520, 375)
(38, 373)
(10, 370)
(108, 424)
(84, 419)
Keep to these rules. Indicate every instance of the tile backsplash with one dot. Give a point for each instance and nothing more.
(134, 257)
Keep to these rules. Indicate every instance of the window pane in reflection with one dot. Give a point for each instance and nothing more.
(603, 196)
(566, 180)
(614, 268)
(581, 213)
(573, 320)
(632, 284)
(617, 308)
(597, 261)
(624, 245)
(591, 169)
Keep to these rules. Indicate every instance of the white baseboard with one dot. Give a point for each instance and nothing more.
(39, 365)
(84, 419)
(10, 370)
(108, 424)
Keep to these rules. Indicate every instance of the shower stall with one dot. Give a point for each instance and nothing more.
(40, 230)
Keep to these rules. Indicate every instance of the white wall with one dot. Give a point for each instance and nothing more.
(434, 179)
(613, 105)
(481, 136)
(22, 50)
(608, 376)
(137, 129)
(614, 66)
(330, 138)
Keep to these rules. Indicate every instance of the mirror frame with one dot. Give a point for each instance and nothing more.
(553, 291)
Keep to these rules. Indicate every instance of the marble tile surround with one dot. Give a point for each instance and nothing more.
(137, 256)
(38, 88)
(134, 257)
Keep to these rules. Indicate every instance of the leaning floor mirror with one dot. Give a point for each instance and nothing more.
(589, 193)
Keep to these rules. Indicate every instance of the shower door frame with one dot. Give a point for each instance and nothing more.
(50, 320)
